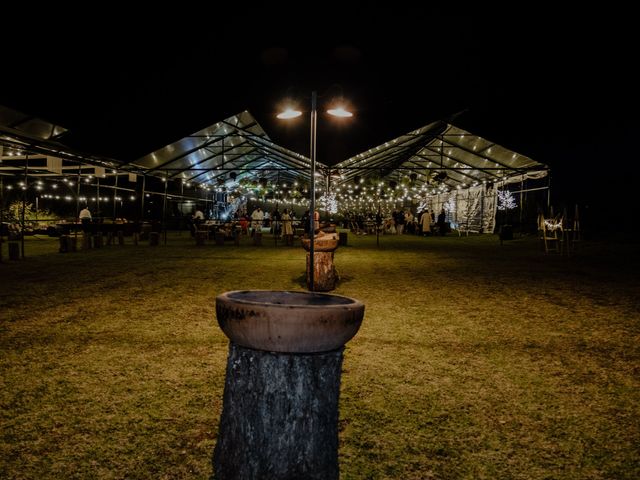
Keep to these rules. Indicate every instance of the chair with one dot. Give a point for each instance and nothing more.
(576, 236)
(552, 234)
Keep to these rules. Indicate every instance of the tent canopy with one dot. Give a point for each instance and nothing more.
(235, 146)
(438, 155)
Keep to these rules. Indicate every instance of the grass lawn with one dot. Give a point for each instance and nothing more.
(474, 360)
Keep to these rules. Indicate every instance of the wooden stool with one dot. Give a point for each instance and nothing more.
(154, 239)
(201, 237)
(342, 238)
(14, 251)
(257, 239)
(64, 244)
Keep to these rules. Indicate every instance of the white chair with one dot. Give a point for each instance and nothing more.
(552, 234)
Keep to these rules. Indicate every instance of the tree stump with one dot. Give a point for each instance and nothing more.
(279, 416)
(14, 251)
(257, 239)
(342, 239)
(154, 239)
(64, 244)
(325, 275)
(288, 240)
(201, 237)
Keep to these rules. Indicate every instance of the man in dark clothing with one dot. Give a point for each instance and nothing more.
(441, 222)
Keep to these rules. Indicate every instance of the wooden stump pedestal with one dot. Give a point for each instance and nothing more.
(282, 386)
(325, 276)
(64, 244)
(14, 251)
(279, 416)
(201, 237)
(257, 239)
(154, 239)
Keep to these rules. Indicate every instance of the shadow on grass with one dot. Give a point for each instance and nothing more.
(301, 280)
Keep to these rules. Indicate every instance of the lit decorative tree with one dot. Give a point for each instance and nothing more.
(423, 205)
(506, 200)
(329, 202)
(450, 205)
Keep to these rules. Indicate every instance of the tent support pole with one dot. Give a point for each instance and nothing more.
(164, 209)
(24, 199)
(78, 199)
(549, 192)
(115, 193)
(144, 182)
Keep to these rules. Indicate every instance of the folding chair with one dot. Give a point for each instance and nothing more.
(552, 234)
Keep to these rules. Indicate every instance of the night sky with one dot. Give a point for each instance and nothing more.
(561, 89)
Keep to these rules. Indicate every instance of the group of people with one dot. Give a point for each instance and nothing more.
(399, 222)
(197, 219)
(85, 218)
(428, 223)
(279, 223)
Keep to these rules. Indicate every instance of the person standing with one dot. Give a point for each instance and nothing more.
(409, 223)
(399, 222)
(275, 222)
(441, 222)
(305, 221)
(197, 219)
(316, 221)
(198, 216)
(85, 218)
(425, 223)
(287, 228)
(257, 217)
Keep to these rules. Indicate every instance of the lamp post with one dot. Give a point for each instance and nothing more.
(312, 198)
(338, 111)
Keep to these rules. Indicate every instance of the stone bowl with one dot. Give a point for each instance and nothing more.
(287, 321)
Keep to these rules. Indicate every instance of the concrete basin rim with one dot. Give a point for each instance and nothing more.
(353, 303)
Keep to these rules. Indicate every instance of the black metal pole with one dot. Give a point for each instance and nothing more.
(24, 199)
(144, 183)
(164, 208)
(312, 198)
(1, 211)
